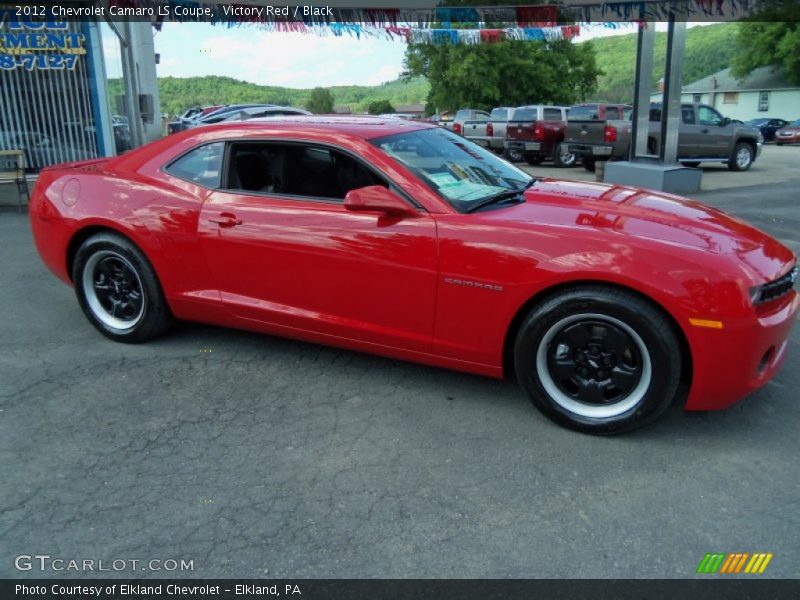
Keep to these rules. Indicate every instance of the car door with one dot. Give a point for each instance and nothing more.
(284, 250)
(694, 140)
(718, 135)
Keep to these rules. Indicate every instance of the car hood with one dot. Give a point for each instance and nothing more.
(648, 216)
(789, 130)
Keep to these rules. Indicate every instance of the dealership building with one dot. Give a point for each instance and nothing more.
(75, 89)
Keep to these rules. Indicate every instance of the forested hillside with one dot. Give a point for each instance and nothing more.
(708, 50)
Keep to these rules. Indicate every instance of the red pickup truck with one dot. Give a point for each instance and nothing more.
(536, 133)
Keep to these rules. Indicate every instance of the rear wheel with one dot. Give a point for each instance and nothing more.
(588, 164)
(118, 290)
(562, 157)
(534, 159)
(742, 157)
(513, 155)
(598, 359)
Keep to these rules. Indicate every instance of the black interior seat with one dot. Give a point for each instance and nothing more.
(352, 175)
(253, 172)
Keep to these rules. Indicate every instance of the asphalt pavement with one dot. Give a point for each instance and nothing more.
(254, 456)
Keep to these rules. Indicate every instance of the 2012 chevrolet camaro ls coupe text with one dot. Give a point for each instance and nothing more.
(406, 240)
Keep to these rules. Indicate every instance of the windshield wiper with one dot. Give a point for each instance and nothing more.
(501, 197)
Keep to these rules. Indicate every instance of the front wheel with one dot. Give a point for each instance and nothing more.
(118, 289)
(742, 157)
(562, 157)
(598, 359)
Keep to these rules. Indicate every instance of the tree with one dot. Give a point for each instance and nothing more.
(508, 73)
(320, 101)
(380, 107)
(763, 44)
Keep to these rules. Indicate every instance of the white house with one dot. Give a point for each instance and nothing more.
(764, 93)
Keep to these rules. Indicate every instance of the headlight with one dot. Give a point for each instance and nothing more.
(773, 289)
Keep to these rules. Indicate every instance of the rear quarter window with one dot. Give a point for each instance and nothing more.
(552, 114)
(590, 112)
(201, 166)
(525, 114)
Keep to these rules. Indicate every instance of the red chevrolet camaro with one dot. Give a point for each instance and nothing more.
(406, 240)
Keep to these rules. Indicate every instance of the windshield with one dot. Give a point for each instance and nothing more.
(757, 122)
(461, 172)
(794, 123)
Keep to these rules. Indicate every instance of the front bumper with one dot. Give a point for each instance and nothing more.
(732, 362)
(523, 146)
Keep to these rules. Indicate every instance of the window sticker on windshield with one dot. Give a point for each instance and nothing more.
(442, 179)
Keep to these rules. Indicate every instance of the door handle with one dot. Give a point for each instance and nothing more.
(226, 220)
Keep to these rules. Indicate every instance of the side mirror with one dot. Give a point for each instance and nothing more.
(725, 121)
(376, 198)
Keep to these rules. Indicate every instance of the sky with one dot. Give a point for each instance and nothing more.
(294, 60)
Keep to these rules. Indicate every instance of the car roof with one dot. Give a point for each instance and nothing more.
(365, 127)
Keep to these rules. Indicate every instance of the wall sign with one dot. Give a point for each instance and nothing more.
(39, 45)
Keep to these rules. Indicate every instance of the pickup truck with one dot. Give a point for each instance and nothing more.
(704, 135)
(536, 133)
(471, 124)
(496, 128)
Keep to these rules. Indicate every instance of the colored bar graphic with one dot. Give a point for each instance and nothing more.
(734, 562)
(710, 563)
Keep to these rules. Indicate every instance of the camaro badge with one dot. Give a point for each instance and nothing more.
(473, 284)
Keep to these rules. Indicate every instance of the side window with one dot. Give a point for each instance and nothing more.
(307, 171)
(708, 116)
(687, 115)
(202, 165)
(481, 117)
(552, 114)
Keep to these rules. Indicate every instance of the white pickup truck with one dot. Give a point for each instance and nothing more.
(471, 124)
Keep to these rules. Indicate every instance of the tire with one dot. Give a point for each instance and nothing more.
(691, 163)
(588, 164)
(513, 155)
(534, 159)
(118, 289)
(598, 359)
(561, 157)
(742, 157)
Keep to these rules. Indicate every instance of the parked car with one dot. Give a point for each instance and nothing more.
(471, 123)
(704, 135)
(122, 133)
(258, 112)
(220, 114)
(443, 119)
(42, 149)
(497, 127)
(386, 236)
(536, 133)
(789, 134)
(767, 127)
